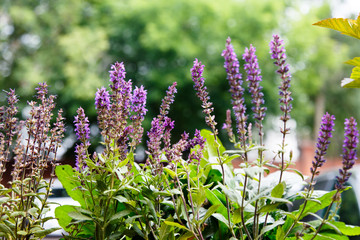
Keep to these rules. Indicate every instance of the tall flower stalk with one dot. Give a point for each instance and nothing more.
(278, 54)
(254, 78)
(323, 141)
(201, 92)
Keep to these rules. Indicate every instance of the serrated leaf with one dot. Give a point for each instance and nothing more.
(355, 61)
(345, 26)
(350, 83)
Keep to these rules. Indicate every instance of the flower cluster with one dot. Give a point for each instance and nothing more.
(201, 92)
(82, 131)
(8, 128)
(138, 106)
(161, 127)
(237, 91)
(254, 78)
(351, 139)
(323, 141)
(278, 54)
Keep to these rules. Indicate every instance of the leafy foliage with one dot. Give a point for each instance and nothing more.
(351, 28)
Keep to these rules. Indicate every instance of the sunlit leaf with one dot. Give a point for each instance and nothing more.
(346, 26)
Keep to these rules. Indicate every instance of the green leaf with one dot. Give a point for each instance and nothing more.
(280, 234)
(170, 172)
(45, 232)
(121, 199)
(267, 228)
(119, 215)
(348, 230)
(8, 232)
(18, 214)
(175, 224)
(269, 207)
(209, 212)
(152, 208)
(278, 190)
(166, 231)
(187, 236)
(214, 200)
(65, 174)
(346, 26)
(313, 207)
(221, 218)
(79, 216)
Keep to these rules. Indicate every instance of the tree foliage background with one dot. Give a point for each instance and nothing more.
(71, 45)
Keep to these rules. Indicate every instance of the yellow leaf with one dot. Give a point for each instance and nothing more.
(355, 62)
(346, 26)
(350, 83)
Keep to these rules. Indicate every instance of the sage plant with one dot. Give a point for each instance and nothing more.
(24, 204)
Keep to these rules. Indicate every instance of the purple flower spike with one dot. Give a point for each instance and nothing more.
(254, 78)
(278, 54)
(138, 102)
(201, 92)
(117, 75)
(82, 129)
(155, 135)
(42, 90)
(351, 139)
(237, 91)
(167, 100)
(102, 99)
(323, 141)
(199, 141)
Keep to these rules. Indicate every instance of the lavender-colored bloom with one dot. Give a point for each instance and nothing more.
(323, 141)
(138, 103)
(117, 75)
(254, 78)
(167, 100)
(199, 142)
(42, 90)
(155, 135)
(228, 126)
(168, 127)
(351, 139)
(176, 151)
(82, 131)
(237, 91)
(81, 122)
(201, 92)
(102, 99)
(278, 54)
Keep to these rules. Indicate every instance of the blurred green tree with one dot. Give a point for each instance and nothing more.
(71, 44)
